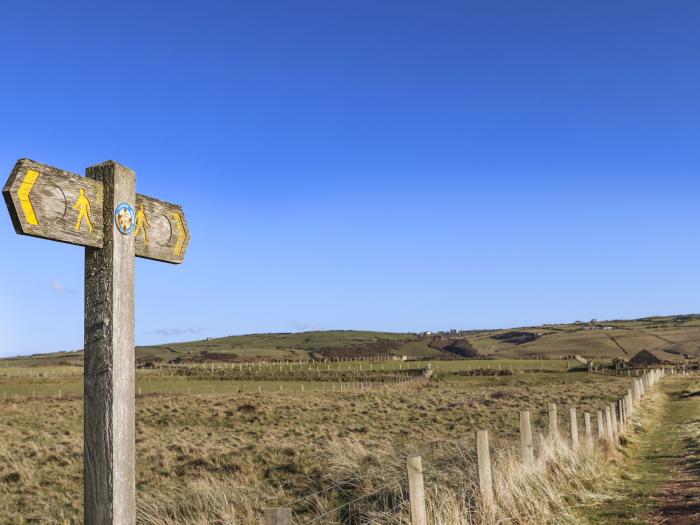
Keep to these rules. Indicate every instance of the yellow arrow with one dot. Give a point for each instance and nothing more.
(24, 190)
(182, 234)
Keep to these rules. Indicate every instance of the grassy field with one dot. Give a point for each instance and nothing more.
(227, 427)
(224, 455)
(232, 378)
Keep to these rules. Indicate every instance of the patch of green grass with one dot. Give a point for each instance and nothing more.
(650, 461)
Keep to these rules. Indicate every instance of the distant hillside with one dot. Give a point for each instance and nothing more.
(668, 338)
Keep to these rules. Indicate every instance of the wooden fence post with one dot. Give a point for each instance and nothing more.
(601, 425)
(483, 456)
(416, 490)
(608, 424)
(278, 516)
(621, 410)
(528, 449)
(628, 404)
(587, 425)
(574, 427)
(553, 422)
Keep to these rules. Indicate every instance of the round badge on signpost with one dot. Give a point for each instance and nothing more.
(125, 218)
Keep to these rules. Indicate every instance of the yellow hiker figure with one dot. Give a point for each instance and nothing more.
(141, 224)
(83, 207)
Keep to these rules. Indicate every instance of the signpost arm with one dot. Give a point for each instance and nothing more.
(110, 493)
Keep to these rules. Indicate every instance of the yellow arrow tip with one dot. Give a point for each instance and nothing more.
(23, 193)
(182, 234)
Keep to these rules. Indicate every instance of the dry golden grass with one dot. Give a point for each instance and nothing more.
(222, 459)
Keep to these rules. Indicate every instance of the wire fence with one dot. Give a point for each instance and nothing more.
(403, 501)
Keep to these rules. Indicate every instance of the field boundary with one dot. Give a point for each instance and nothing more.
(491, 496)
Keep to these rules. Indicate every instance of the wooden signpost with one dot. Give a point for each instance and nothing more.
(103, 213)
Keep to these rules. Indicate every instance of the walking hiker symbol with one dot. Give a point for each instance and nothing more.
(142, 224)
(83, 207)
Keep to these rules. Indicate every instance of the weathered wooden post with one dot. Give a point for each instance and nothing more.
(483, 457)
(609, 425)
(416, 490)
(278, 516)
(110, 456)
(601, 425)
(588, 430)
(623, 415)
(103, 213)
(630, 402)
(553, 421)
(613, 418)
(574, 427)
(526, 445)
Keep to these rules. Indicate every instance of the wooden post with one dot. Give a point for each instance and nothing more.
(574, 427)
(553, 422)
(628, 404)
(278, 516)
(621, 411)
(416, 491)
(109, 375)
(613, 417)
(587, 425)
(601, 425)
(483, 457)
(528, 450)
(608, 425)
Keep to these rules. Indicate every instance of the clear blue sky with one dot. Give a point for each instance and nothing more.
(388, 165)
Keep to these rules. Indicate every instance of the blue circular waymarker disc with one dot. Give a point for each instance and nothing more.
(125, 218)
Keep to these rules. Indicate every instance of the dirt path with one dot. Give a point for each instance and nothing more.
(662, 484)
(678, 501)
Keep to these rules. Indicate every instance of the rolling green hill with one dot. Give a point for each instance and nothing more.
(669, 338)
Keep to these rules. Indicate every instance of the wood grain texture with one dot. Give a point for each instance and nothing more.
(553, 420)
(54, 211)
(587, 426)
(526, 444)
(165, 235)
(573, 421)
(52, 198)
(416, 490)
(109, 361)
(483, 460)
